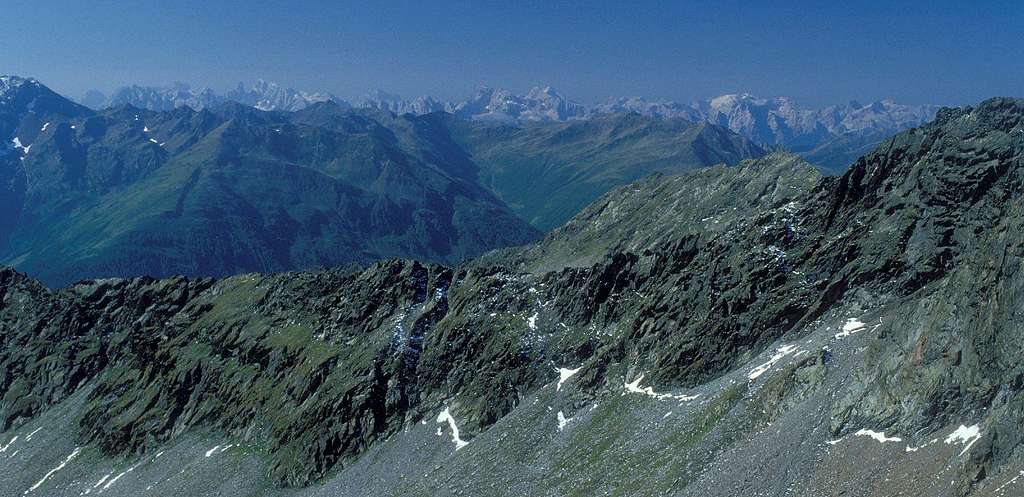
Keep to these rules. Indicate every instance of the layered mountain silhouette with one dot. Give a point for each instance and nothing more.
(830, 137)
(682, 335)
(228, 189)
(263, 95)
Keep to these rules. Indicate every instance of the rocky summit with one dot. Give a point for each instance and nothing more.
(736, 331)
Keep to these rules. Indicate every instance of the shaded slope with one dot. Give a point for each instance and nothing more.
(548, 172)
(229, 190)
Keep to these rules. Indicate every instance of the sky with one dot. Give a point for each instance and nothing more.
(819, 52)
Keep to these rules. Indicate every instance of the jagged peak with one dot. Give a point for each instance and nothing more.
(16, 81)
(546, 91)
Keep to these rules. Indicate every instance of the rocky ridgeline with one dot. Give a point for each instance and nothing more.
(316, 368)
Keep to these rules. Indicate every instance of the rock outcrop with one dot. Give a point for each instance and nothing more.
(858, 330)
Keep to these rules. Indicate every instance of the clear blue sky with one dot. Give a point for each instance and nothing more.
(818, 52)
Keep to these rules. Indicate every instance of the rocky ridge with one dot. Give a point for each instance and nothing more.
(868, 318)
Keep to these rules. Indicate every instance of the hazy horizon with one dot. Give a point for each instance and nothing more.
(934, 52)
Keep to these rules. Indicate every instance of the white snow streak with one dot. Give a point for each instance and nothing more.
(1009, 482)
(118, 477)
(47, 125)
(5, 447)
(635, 388)
(74, 454)
(103, 479)
(780, 353)
(879, 436)
(30, 435)
(446, 416)
(216, 450)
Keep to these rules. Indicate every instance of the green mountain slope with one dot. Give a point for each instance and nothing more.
(128, 192)
(839, 336)
(548, 172)
(642, 216)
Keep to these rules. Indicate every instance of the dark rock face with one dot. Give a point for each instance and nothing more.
(681, 279)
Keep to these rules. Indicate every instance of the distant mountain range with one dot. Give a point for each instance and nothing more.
(831, 137)
(262, 95)
(231, 188)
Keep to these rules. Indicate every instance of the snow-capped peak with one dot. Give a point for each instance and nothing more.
(9, 84)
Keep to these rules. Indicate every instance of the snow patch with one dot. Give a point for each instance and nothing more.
(853, 325)
(648, 391)
(565, 374)
(532, 321)
(965, 435)
(562, 421)
(46, 125)
(17, 144)
(877, 435)
(59, 467)
(780, 353)
(446, 416)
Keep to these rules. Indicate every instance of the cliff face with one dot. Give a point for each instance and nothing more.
(688, 335)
